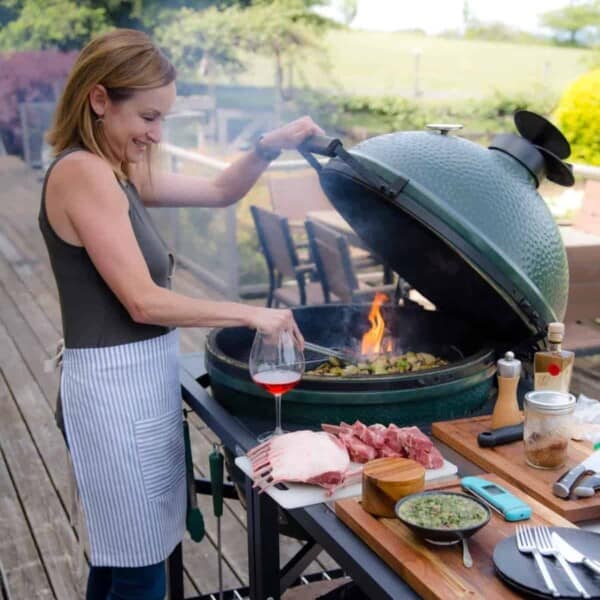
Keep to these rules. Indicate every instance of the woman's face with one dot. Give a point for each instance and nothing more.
(132, 125)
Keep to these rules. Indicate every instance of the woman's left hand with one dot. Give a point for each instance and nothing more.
(290, 136)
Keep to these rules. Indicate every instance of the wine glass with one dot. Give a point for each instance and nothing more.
(276, 364)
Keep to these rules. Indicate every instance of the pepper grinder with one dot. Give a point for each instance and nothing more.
(506, 411)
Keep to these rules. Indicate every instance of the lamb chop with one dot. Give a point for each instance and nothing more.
(358, 450)
(365, 443)
(302, 456)
(416, 445)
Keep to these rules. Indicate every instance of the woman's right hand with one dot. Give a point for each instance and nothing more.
(273, 320)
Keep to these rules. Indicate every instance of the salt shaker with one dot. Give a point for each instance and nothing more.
(506, 411)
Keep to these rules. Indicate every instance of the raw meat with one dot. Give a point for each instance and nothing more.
(411, 438)
(365, 443)
(302, 456)
(432, 460)
(388, 451)
(357, 449)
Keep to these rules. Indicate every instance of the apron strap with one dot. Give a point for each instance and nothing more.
(53, 363)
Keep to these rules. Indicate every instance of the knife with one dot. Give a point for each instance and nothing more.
(562, 486)
(573, 555)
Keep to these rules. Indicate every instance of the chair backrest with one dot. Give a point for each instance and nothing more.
(588, 217)
(293, 195)
(276, 241)
(331, 254)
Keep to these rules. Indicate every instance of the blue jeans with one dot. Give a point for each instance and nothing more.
(127, 583)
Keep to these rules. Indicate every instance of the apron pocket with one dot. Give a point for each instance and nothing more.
(161, 452)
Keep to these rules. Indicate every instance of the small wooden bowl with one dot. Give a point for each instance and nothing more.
(386, 480)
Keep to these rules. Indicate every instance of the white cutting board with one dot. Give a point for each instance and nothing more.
(298, 495)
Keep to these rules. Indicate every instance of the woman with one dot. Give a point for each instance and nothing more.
(119, 382)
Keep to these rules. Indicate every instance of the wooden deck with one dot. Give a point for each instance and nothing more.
(39, 553)
(38, 546)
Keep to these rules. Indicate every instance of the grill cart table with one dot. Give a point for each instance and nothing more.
(319, 522)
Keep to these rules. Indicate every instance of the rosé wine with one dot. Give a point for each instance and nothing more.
(277, 381)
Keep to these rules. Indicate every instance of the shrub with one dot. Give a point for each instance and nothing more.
(28, 77)
(578, 116)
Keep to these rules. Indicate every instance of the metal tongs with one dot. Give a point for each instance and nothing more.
(346, 356)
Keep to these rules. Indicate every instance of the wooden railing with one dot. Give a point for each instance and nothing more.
(223, 280)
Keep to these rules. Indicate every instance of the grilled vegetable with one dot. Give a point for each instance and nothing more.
(382, 364)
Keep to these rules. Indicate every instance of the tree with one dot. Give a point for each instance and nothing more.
(467, 14)
(203, 42)
(67, 24)
(574, 19)
(9, 11)
(283, 29)
(347, 9)
(213, 40)
(61, 24)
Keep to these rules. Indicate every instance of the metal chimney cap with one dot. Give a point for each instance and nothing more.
(444, 128)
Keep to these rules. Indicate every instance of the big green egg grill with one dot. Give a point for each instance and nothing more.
(466, 227)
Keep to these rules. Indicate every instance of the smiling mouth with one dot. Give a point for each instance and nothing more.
(140, 145)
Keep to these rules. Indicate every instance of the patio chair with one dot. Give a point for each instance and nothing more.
(340, 282)
(294, 196)
(283, 263)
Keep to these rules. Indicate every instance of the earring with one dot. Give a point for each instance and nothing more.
(100, 121)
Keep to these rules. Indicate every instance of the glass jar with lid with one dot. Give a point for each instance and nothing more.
(547, 428)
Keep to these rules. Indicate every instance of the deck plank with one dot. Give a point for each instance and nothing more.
(25, 575)
(29, 347)
(44, 330)
(38, 496)
(30, 273)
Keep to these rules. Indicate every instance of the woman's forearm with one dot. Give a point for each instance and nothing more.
(235, 181)
(160, 306)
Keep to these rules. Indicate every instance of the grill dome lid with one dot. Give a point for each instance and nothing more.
(461, 223)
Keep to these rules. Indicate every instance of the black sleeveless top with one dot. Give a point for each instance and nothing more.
(92, 315)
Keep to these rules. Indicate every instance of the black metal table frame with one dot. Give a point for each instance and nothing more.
(323, 528)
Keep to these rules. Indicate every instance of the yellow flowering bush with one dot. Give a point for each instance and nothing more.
(578, 117)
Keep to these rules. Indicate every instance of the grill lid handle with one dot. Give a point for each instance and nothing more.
(321, 145)
(333, 148)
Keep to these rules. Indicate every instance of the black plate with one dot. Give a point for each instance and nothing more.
(520, 571)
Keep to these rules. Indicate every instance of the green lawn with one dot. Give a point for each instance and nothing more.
(374, 63)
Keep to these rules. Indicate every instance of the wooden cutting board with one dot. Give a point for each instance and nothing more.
(509, 462)
(437, 572)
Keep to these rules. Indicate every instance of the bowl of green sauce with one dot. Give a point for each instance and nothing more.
(442, 517)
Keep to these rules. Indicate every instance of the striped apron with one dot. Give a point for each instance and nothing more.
(123, 422)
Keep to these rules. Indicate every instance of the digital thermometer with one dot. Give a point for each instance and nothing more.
(497, 498)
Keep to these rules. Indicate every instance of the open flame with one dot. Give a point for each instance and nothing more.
(371, 341)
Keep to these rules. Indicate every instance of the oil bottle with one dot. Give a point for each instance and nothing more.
(553, 367)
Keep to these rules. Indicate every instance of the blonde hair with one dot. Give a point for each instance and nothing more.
(123, 61)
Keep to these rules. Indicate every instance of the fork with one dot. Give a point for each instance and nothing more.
(547, 548)
(526, 544)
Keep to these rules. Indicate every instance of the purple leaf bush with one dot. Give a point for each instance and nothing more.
(31, 76)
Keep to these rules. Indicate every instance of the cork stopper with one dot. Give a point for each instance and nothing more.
(556, 332)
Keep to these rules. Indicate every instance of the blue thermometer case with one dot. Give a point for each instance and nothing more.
(497, 498)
